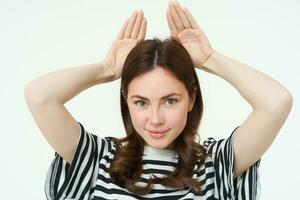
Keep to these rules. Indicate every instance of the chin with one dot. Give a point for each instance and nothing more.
(158, 146)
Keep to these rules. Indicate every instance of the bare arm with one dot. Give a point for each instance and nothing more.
(62, 85)
(259, 89)
(46, 95)
(271, 102)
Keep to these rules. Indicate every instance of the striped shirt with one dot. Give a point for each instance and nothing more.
(87, 176)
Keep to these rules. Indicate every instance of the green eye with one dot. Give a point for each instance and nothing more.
(138, 103)
(141, 103)
(172, 100)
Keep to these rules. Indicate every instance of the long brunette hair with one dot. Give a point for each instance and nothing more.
(126, 167)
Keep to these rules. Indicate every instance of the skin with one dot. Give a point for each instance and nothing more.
(271, 101)
(156, 113)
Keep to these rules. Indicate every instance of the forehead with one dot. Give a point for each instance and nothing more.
(155, 83)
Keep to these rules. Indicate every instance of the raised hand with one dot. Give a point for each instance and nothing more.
(132, 32)
(185, 29)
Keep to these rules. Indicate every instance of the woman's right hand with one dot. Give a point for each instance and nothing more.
(132, 32)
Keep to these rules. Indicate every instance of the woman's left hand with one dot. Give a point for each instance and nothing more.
(185, 29)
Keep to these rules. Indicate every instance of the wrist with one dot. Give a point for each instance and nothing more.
(105, 72)
(211, 63)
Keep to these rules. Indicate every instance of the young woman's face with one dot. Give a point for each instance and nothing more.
(158, 102)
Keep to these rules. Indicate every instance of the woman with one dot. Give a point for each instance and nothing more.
(161, 106)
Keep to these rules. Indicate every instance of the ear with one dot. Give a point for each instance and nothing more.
(192, 100)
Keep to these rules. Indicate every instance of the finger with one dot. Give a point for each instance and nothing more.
(181, 15)
(175, 17)
(122, 30)
(130, 25)
(137, 25)
(190, 18)
(143, 28)
(171, 24)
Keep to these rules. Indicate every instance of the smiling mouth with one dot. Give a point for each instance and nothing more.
(157, 135)
(158, 132)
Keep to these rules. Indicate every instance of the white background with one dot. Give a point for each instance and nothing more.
(37, 37)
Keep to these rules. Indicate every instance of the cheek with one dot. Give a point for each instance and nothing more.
(177, 118)
(138, 119)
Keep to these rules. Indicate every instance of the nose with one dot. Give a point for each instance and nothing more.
(156, 118)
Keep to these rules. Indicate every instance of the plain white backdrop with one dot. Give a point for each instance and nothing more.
(37, 37)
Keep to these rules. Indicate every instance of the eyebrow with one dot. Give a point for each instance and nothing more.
(164, 97)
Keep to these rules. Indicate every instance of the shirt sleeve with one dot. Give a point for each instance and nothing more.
(75, 180)
(246, 186)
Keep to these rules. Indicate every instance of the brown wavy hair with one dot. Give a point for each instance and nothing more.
(126, 167)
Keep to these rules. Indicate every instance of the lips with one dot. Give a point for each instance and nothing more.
(158, 131)
(157, 134)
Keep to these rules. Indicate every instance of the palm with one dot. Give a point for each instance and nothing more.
(117, 54)
(132, 32)
(196, 44)
(185, 29)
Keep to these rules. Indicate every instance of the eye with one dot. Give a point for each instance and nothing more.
(139, 103)
(172, 100)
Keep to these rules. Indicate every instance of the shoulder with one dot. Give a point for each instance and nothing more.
(111, 145)
(97, 143)
(213, 145)
(209, 143)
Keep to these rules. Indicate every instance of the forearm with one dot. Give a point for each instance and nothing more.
(62, 85)
(260, 90)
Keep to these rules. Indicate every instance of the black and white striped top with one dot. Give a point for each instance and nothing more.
(87, 176)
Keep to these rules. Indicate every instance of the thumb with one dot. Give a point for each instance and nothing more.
(174, 37)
